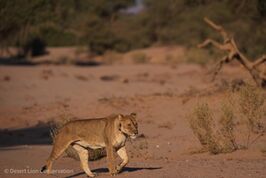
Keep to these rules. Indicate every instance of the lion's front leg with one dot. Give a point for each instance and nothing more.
(122, 153)
(110, 159)
(84, 158)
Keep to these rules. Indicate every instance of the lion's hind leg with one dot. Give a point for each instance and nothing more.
(60, 145)
(84, 158)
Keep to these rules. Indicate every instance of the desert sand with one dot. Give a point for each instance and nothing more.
(31, 97)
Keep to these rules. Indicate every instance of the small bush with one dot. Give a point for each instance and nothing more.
(198, 56)
(220, 137)
(252, 109)
(251, 103)
(211, 138)
(54, 36)
(139, 57)
(227, 128)
(201, 123)
(35, 47)
(111, 57)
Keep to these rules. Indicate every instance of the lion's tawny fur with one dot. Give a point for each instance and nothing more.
(109, 132)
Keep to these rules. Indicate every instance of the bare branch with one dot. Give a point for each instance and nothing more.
(219, 66)
(224, 47)
(212, 42)
(230, 46)
(259, 61)
(218, 28)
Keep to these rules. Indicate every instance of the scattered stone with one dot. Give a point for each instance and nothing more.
(6, 78)
(109, 77)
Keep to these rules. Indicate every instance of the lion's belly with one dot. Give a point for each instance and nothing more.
(90, 145)
(118, 142)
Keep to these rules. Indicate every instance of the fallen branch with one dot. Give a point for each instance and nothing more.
(229, 45)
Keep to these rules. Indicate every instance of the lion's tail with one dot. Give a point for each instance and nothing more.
(44, 168)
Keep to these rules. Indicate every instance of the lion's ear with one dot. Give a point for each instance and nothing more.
(120, 117)
(133, 114)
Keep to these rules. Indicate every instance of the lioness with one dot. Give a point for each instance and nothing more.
(109, 132)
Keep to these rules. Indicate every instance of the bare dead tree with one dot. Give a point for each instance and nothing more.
(229, 45)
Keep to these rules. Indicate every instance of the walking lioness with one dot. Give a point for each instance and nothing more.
(110, 132)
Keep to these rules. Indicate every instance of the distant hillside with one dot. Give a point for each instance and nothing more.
(102, 25)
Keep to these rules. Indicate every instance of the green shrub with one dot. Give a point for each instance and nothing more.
(57, 37)
(103, 26)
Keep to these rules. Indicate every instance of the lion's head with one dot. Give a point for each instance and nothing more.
(128, 124)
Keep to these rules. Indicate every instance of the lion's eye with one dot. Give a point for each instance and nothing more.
(128, 124)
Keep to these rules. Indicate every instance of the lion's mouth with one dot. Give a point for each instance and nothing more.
(133, 136)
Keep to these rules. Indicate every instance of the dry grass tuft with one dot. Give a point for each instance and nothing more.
(197, 56)
(201, 123)
(112, 57)
(140, 57)
(251, 103)
(220, 137)
(227, 129)
(251, 106)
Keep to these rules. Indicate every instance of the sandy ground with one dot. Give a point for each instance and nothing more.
(161, 95)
